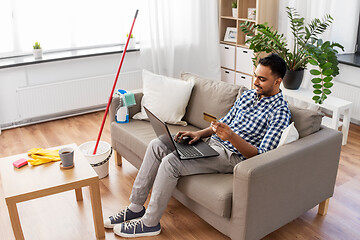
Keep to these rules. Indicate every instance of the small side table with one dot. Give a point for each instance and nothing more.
(338, 106)
(28, 183)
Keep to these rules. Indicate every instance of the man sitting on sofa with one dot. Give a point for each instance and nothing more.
(252, 126)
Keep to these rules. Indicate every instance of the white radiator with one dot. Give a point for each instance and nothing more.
(69, 96)
(349, 93)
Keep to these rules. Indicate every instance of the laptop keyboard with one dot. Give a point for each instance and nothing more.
(188, 150)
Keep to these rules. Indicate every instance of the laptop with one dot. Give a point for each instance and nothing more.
(184, 150)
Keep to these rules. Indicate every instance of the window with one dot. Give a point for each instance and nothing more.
(63, 24)
(352, 59)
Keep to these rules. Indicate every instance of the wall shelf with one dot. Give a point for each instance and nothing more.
(10, 62)
(229, 43)
(228, 17)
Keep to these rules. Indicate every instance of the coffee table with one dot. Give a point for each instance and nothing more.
(28, 183)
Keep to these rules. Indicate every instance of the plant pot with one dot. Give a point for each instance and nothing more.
(132, 43)
(235, 12)
(37, 53)
(292, 79)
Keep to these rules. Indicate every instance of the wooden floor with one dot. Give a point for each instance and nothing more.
(61, 217)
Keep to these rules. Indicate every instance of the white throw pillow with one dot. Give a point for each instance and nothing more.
(166, 97)
(290, 134)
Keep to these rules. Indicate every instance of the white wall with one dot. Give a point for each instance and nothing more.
(37, 74)
(350, 90)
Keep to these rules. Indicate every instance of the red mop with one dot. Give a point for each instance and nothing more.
(112, 91)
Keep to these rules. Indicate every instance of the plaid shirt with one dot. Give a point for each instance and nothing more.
(260, 123)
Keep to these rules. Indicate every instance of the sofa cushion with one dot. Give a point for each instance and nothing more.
(209, 96)
(213, 191)
(160, 89)
(306, 121)
(137, 134)
(289, 135)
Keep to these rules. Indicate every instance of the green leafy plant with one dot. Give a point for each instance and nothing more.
(234, 4)
(307, 48)
(36, 46)
(323, 57)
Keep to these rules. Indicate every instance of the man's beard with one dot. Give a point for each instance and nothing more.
(259, 95)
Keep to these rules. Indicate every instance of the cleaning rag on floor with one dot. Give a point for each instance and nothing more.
(41, 156)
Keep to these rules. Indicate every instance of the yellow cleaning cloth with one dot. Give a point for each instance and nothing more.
(41, 156)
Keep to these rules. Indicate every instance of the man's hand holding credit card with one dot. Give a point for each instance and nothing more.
(222, 130)
(211, 119)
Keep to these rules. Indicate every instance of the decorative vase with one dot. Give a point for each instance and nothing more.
(292, 79)
(235, 12)
(37, 53)
(132, 43)
(252, 13)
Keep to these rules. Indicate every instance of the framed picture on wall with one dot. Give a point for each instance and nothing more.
(230, 34)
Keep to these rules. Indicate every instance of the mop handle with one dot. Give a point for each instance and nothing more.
(112, 91)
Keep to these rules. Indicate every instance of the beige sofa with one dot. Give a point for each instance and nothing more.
(264, 192)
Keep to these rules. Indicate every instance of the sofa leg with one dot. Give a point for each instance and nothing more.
(323, 207)
(118, 158)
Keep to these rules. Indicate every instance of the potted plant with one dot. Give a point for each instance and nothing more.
(37, 51)
(132, 41)
(307, 48)
(234, 9)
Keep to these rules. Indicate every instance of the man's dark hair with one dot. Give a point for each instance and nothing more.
(276, 64)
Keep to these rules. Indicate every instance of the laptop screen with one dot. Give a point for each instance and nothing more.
(161, 131)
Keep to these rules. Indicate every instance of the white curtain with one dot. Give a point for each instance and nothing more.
(180, 35)
(343, 29)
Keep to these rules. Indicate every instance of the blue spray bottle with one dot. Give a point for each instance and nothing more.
(122, 112)
(127, 100)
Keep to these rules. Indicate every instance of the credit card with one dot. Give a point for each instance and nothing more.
(209, 118)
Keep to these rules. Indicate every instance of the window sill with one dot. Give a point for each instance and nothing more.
(63, 55)
(352, 59)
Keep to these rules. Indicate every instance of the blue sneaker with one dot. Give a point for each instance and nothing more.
(123, 216)
(136, 228)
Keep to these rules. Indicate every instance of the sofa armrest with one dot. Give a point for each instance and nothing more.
(115, 101)
(276, 187)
